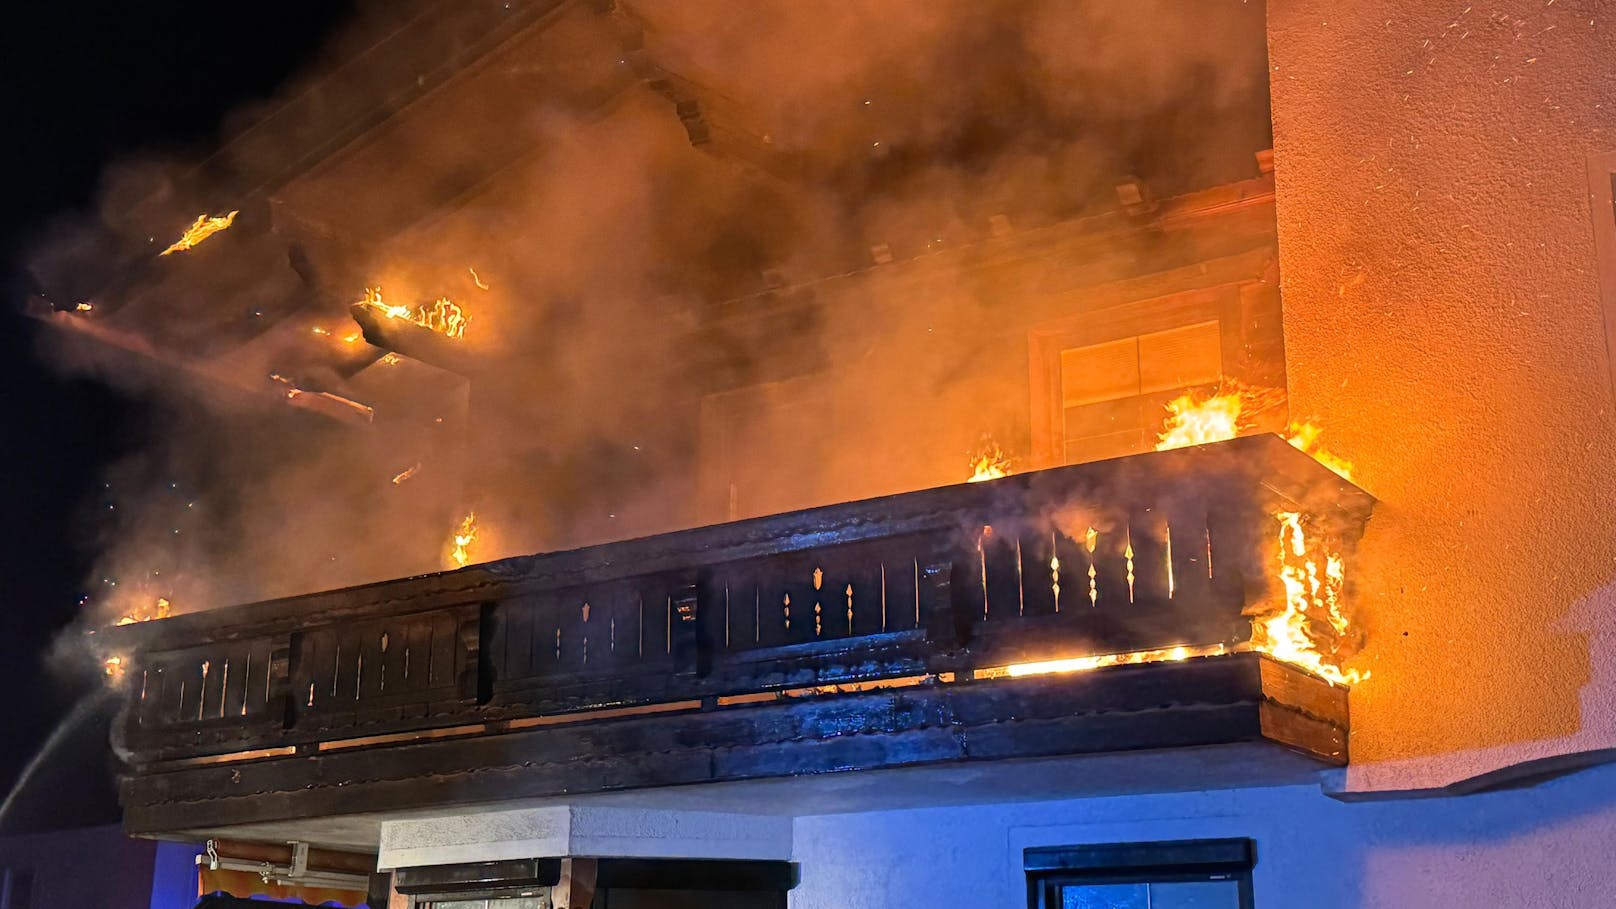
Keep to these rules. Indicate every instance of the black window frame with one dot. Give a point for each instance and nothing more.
(1049, 868)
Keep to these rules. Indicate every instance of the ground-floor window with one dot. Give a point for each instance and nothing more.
(1187, 874)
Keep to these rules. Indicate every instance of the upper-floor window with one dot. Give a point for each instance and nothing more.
(1112, 393)
(1102, 377)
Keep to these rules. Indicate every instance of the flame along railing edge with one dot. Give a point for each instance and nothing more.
(466, 682)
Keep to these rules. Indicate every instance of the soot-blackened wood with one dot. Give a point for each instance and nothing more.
(1060, 563)
(1197, 702)
(1238, 466)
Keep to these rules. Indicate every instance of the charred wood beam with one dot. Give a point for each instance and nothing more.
(713, 122)
(1233, 470)
(414, 341)
(1220, 700)
(951, 583)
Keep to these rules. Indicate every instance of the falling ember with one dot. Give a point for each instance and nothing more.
(84, 307)
(476, 281)
(406, 473)
(1313, 579)
(990, 463)
(321, 331)
(462, 538)
(201, 229)
(443, 316)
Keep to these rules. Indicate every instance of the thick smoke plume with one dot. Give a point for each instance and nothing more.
(719, 260)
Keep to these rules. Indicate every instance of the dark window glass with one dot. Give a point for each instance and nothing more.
(1193, 874)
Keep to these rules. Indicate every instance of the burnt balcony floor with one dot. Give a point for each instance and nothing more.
(653, 665)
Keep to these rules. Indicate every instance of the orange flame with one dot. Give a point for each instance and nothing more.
(1083, 664)
(1196, 419)
(201, 229)
(1305, 436)
(443, 316)
(460, 541)
(160, 609)
(990, 463)
(114, 668)
(1313, 579)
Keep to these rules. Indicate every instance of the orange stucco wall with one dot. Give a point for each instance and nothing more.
(1443, 323)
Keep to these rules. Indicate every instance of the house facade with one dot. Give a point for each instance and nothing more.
(1062, 687)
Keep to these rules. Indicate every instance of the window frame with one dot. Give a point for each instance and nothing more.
(1225, 303)
(1048, 869)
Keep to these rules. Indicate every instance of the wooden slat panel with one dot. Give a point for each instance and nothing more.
(1111, 568)
(1002, 580)
(1190, 545)
(1038, 577)
(1147, 531)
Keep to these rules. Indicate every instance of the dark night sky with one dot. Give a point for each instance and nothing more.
(85, 84)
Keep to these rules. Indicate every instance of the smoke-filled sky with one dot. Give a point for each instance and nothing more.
(87, 84)
(640, 357)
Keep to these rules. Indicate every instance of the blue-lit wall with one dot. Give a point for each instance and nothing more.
(100, 868)
(1551, 845)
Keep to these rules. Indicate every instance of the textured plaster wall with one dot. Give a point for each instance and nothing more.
(1546, 846)
(1443, 324)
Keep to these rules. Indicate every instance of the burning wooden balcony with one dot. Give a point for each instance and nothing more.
(942, 625)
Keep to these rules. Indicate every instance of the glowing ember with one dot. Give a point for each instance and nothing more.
(1082, 664)
(160, 609)
(443, 316)
(84, 307)
(1313, 579)
(114, 668)
(201, 229)
(478, 282)
(462, 538)
(406, 473)
(990, 463)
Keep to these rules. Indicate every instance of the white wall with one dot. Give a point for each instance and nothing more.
(1549, 845)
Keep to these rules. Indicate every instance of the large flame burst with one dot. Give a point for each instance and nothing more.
(1311, 573)
(1197, 419)
(1313, 578)
(443, 316)
(201, 229)
(460, 541)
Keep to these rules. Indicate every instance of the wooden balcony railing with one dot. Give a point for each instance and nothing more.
(1141, 553)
